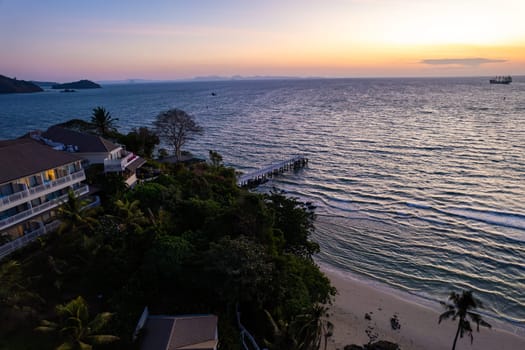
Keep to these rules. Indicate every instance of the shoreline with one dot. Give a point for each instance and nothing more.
(419, 328)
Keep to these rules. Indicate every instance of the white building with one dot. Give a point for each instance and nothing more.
(34, 181)
(95, 150)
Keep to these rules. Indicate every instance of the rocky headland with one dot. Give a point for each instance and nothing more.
(9, 86)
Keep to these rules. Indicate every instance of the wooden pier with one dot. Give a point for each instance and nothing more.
(259, 176)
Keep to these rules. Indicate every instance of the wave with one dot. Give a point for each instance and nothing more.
(418, 206)
(492, 217)
(506, 219)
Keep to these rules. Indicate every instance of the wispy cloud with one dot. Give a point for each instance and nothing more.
(461, 61)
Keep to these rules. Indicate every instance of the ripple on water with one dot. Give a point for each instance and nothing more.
(420, 182)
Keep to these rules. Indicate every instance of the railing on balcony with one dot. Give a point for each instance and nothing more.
(93, 204)
(119, 164)
(20, 197)
(40, 208)
(29, 237)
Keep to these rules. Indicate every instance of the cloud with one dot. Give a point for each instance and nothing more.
(461, 61)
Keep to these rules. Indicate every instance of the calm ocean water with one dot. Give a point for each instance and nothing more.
(419, 183)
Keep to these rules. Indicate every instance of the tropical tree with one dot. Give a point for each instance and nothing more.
(76, 328)
(74, 215)
(129, 214)
(215, 159)
(313, 328)
(295, 220)
(459, 308)
(282, 336)
(103, 121)
(112, 185)
(141, 141)
(306, 331)
(175, 127)
(13, 287)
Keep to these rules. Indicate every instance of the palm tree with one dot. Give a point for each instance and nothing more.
(306, 331)
(73, 214)
(130, 215)
(103, 121)
(314, 328)
(282, 336)
(75, 326)
(459, 308)
(14, 293)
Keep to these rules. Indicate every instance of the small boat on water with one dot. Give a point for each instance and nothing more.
(501, 80)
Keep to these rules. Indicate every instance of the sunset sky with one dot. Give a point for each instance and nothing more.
(119, 39)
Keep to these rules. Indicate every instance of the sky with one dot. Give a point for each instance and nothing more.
(65, 40)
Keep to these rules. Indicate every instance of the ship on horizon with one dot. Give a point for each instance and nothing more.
(501, 80)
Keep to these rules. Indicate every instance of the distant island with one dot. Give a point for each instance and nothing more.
(81, 84)
(10, 86)
(44, 84)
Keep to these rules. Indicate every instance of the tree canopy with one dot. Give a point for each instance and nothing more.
(103, 122)
(188, 242)
(175, 127)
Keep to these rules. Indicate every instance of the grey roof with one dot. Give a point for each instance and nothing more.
(25, 156)
(86, 143)
(137, 163)
(181, 332)
(157, 333)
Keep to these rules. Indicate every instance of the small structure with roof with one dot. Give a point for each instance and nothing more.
(162, 332)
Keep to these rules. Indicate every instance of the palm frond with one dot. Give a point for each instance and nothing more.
(66, 346)
(445, 315)
(84, 346)
(46, 326)
(100, 321)
(102, 339)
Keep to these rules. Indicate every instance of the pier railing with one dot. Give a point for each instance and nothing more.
(256, 177)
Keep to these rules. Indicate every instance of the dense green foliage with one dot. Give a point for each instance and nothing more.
(141, 141)
(189, 242)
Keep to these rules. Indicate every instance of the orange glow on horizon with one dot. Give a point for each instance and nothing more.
(342, 38)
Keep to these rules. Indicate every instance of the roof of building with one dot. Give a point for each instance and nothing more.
(25, 156)
(86, 143)
(180, 332)
(137, 163)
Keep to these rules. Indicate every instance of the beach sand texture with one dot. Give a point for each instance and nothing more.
(419, 328)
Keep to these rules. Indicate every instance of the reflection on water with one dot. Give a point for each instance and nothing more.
(419, 183)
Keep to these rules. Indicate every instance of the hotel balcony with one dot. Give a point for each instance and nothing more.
(29, 237)
(31, 193)
(39, 209)
(114, 165)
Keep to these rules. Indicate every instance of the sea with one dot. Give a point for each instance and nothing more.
(419, 183)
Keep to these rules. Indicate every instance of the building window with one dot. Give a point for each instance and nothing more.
(50, 175)
(36, 202)
(35, 181)
(6, 190)
(62, 171)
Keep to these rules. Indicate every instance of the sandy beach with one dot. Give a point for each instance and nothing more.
(419, 328)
